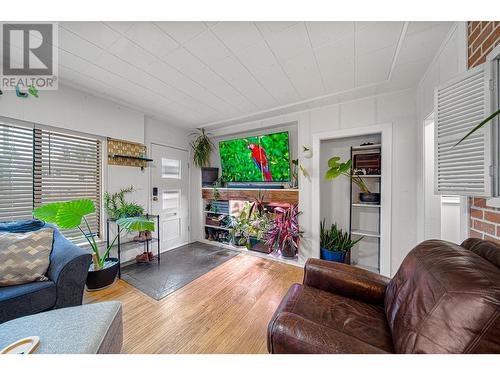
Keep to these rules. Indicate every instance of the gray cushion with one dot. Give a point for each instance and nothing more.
(18, 300)
(86, 329)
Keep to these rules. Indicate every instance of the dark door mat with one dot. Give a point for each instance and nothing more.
(177, 268)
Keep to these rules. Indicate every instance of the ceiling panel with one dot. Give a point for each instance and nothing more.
(196, 73)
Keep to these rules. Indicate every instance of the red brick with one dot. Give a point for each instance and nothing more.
(491, 40)
(479, 202)
(494, 217)
(492, 239)
(474, 234)
(475, 213)
(498, 231)
(484, 227)
(473, 34)
(475, 24)
(485, 32)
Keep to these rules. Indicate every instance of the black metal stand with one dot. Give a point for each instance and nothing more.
(146, 243)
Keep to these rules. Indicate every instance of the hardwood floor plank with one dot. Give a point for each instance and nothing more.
(224, 311)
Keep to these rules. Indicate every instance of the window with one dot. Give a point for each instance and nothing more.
(39, 166)
(170, 168)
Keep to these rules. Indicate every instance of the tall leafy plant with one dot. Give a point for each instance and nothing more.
(336, 168)
(117, 207)
(201, 146)
(70, 214)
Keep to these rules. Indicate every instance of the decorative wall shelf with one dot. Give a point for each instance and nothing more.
(290, 196)
(128, 154)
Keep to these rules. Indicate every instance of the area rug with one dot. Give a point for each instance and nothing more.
(177, 268)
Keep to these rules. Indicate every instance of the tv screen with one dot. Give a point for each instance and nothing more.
(263, 158)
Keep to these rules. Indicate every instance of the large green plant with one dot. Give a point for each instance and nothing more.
(252, 222)
(336, 168)
(335, 239)
(202, 146)
(69, 215)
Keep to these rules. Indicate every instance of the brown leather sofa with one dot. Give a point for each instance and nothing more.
(444, 298)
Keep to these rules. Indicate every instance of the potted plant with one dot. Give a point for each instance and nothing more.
(201, 146)
(117, 207)
(285, 232)
(250, 227)
(335, 243)
(69, 215)
(336, 168)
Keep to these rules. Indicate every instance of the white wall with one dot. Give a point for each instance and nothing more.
(71, 109)
(397, 108)
(450, 60)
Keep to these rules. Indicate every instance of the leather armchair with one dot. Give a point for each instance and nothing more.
(444, 298)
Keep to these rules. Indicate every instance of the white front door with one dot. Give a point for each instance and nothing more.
(170, 194)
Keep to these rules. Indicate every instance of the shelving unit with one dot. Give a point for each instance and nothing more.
(373, 174)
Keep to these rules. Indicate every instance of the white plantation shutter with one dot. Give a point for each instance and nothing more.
(459, 105)
(16, 172)
(67, 167)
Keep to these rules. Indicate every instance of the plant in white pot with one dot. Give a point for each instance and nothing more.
(70, 214)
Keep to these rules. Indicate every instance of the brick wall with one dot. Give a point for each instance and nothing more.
(483, 36)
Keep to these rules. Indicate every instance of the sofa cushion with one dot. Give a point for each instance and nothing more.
(25, 257)
(21, 226)
(18, 300)
(362, 324)
(87, 329)
(444, 299)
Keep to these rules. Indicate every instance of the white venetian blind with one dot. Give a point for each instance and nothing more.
(461, 104)
(16, 172)
(67, 167)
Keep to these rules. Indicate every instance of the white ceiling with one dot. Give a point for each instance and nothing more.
(194, 74)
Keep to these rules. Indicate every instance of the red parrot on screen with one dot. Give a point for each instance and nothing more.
(260, 159)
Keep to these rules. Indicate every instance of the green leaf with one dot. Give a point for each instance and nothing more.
(332, 173)
(71, 213)
(333, 162)
(479, 126)
(344, 168)
(136, 223)
(48, 212)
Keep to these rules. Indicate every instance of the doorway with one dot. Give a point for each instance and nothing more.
(441, 213)
(170, 194)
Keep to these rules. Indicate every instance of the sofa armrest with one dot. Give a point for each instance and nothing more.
(346, 280)
(69, 265)
(289, 333)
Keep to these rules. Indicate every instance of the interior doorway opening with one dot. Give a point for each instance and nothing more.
(441, 213)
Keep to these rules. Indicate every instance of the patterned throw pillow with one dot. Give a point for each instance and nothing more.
(24, 257)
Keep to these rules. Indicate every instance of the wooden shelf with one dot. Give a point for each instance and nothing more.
(215, 227)
(368, 175)
(290, 196)
(365, 233)
(366, 205)
(142, 158)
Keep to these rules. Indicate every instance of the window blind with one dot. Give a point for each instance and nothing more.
(67, 167)
(16, 172)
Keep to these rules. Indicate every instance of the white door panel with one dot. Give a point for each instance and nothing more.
(170, 199)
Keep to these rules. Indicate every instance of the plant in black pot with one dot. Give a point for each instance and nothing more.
(285, 233)
(335, 243)
(337, 168)
(70, 214)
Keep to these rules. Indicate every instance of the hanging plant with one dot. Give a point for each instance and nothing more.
(202, 146)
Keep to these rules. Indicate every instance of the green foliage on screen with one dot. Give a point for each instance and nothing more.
(237, 163)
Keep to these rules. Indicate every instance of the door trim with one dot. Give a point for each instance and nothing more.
(150, 187)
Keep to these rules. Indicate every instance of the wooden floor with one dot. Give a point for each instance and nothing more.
(224, 311)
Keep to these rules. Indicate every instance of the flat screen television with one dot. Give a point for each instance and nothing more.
(263, 158)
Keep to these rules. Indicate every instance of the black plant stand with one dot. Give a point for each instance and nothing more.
(146, 243)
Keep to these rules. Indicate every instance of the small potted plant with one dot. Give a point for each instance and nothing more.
(251, 226)
(285, 233)
(336, 168)
(335, 243)
(69, 215)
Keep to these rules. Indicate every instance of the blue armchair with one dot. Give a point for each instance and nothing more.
(66, 275)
